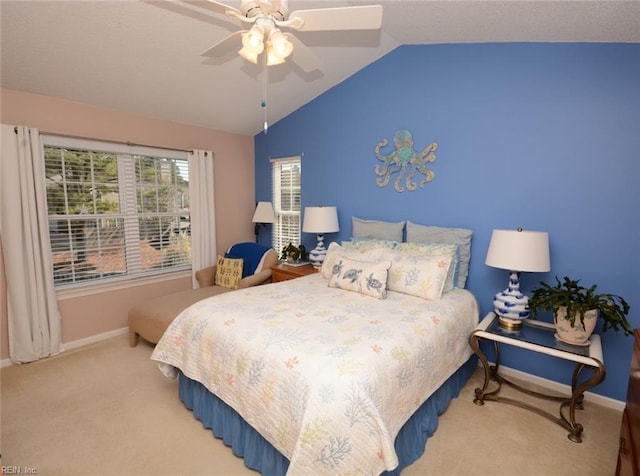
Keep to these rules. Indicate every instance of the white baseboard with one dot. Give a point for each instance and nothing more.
(96, 338)
(560, 388)
(76, 344)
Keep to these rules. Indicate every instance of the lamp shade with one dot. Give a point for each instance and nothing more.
(519, 250)
(264, 213)
(253, 39)
(320, 220)
(278, 47)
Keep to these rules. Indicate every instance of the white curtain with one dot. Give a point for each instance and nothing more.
(34, 319)
(203, 215)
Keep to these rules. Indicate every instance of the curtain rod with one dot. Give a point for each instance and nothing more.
(129, 144)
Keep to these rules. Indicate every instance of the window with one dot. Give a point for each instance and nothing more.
(115, 211)
(286, 201)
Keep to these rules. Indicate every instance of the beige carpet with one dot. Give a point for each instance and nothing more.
(106, 410)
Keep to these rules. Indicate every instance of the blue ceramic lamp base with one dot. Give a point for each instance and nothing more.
(511, 306)
(319, 253)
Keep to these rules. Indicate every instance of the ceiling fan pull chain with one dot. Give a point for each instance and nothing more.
(264, 92)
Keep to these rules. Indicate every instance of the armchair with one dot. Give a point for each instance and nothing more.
(258, 260)
(150, 318)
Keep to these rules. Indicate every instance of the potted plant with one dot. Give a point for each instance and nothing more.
(292, 253)
(576, 309)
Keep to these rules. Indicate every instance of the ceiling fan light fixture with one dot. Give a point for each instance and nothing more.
(273, 59)
(253, 40)
(248, 54)
(279, 45)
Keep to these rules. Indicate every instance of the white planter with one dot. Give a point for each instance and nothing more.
(578, 334)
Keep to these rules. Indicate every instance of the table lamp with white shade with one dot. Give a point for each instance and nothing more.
(263, 215)
(320, 220)
(517, 251)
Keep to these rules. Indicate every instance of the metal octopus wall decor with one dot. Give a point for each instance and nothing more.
(405, 161)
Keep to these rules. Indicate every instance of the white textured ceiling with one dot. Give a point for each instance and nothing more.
(144, 57)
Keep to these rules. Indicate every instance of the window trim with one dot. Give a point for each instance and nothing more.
(275, 163)
(113, 147)
(78, 289)
(72, 292)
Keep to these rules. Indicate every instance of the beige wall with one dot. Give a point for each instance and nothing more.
(86, 316)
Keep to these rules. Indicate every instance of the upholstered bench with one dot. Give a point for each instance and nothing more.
(149, 319)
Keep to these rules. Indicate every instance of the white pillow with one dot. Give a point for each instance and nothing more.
(362, 277)
(419, 275)
(436, 234)
(335, 251)
(435, 249)
(367, 244)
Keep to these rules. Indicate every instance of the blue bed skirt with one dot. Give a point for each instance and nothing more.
(260, 455)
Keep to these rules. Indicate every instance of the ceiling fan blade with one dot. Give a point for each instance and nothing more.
(366, 17)
(213, 6)
(221, 48)
(303, 56)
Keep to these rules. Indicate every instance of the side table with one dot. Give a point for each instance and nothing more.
(283, 272)
(537, 336)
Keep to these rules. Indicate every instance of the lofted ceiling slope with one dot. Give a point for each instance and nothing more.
(143, 57)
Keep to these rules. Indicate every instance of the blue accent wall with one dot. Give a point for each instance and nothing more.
(543, 136)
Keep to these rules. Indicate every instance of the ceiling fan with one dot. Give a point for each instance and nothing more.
(267, 17)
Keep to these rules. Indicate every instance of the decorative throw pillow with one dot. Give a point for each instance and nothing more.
(335, 251)
(436, 234)
(228, 272)
(381, 230)
(435, 249)
(421, 276)
(367, 244)
(362, 277)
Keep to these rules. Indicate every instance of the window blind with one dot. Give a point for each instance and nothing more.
(286, 201)
(115, 211)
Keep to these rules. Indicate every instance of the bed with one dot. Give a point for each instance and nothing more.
(327, 374)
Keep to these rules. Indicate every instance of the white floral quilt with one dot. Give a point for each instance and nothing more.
(327, 376)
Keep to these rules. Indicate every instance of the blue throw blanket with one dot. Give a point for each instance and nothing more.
(251, 254)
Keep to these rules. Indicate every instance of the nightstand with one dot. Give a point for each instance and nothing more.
(537, 336)
(283, 272)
